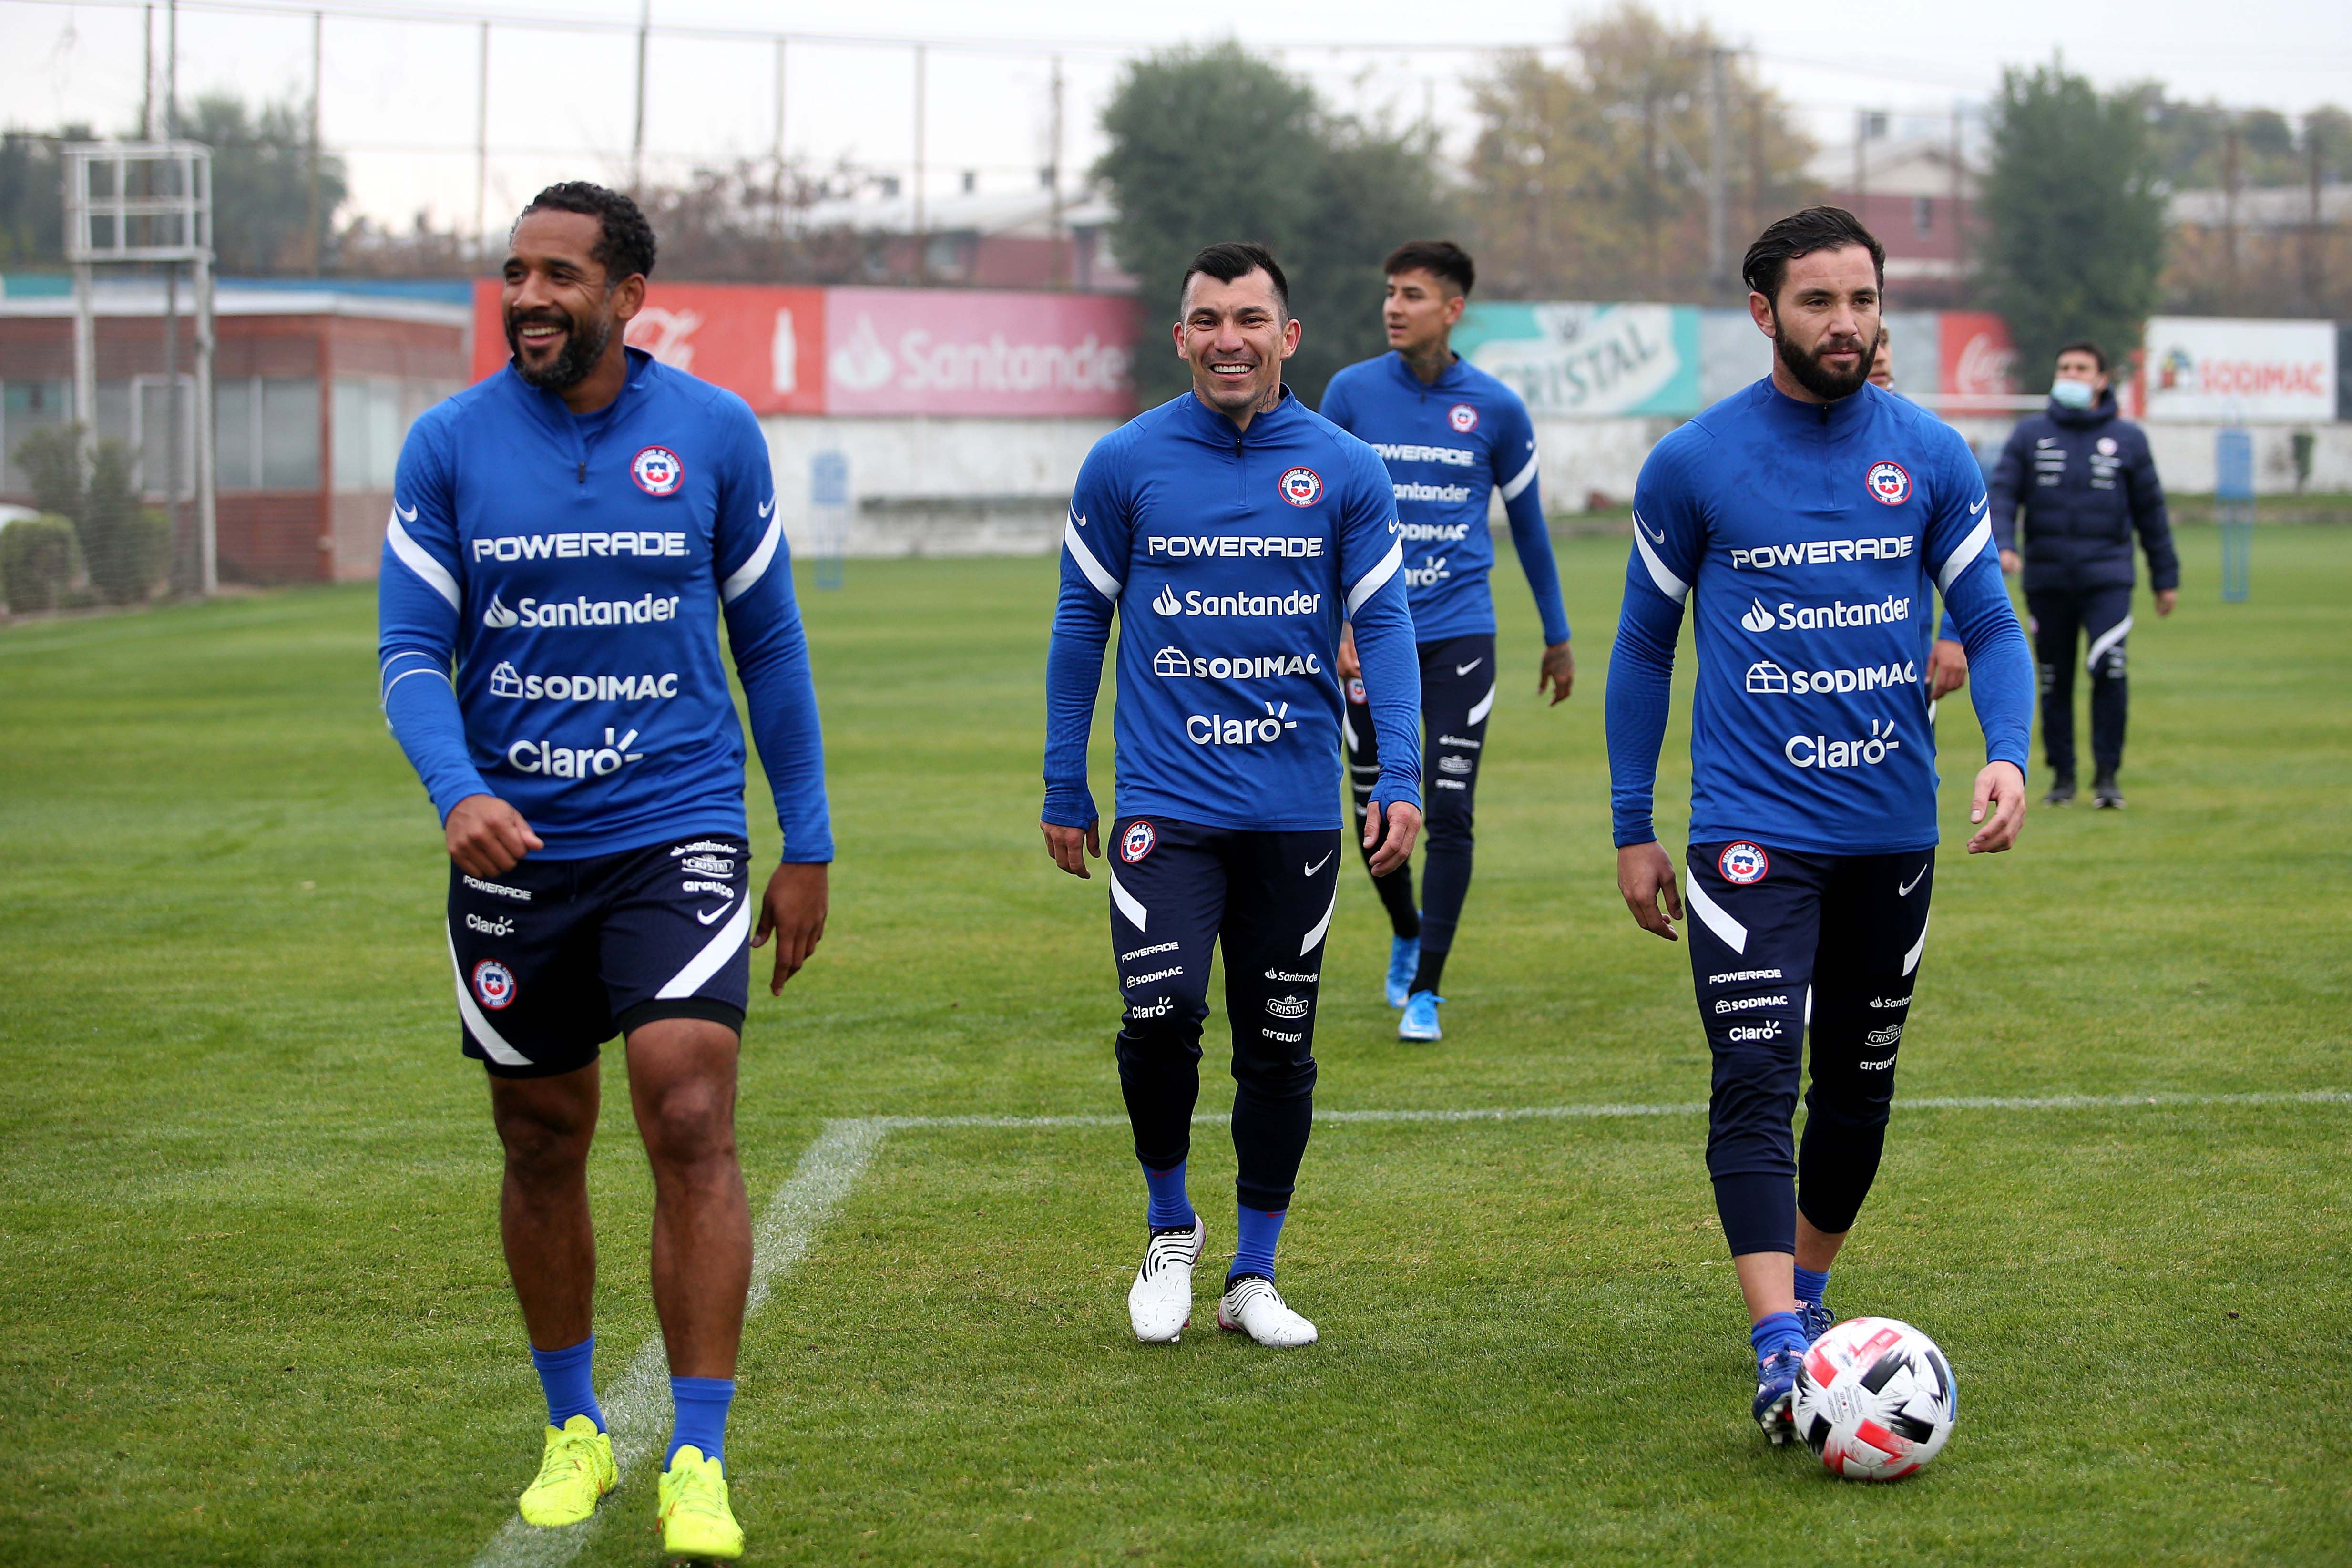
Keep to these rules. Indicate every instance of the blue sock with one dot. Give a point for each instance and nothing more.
(569, 1378)
(1254, 1252)
(1777, 1331)
(1169, 1207)
(701, 1404)
(1810, 1286)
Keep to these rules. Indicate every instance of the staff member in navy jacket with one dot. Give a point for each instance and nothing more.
(2085, 481)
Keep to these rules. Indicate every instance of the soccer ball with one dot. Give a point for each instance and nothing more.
(1875, 1399)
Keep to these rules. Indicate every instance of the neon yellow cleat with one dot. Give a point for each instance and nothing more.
(697, 1523)
(575, 1471)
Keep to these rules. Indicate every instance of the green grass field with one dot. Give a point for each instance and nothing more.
(252, 1309)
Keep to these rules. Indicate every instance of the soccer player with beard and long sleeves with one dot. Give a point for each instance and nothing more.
(1451, 436)
(564, 539)
(1231, 530)
(1807, 519)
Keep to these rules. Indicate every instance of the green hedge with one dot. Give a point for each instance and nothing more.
(39, 562)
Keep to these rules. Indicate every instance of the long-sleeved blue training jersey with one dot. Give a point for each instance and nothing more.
(1448, 446)
(572, 569)
(1809, 534)
(1232, 558)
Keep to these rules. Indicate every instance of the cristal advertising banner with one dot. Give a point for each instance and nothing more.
(960, 350)
(765, 344)
(2210, 368)
(1579, 361)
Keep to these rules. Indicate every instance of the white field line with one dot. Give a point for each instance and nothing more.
(637, 1407)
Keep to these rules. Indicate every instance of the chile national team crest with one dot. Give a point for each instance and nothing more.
(1743, 863)
(657, 470)
(1463, 417)
(1136, 842)
(1302, 487)
(494, 983)
(1888, 483)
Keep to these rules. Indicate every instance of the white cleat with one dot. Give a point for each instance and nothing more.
(1159, 1302)
(1253, 1305)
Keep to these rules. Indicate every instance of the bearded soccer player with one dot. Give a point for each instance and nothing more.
(1451, 436)
(564, 539)
(1806, 517)
(1231, 530)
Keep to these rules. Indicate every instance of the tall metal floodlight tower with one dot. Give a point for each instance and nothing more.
(146, 202)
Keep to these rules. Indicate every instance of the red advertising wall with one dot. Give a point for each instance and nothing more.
(1978, 362)
(879, 351)
(765, 344)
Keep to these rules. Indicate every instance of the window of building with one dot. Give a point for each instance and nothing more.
(27, 406)
(1923, 215)
(368, 431)
(266, 434)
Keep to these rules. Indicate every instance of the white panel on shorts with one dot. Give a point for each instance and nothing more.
(1911, 959)
(1127, 904)
(715, 953)
(1718, 921)
(490, 1039)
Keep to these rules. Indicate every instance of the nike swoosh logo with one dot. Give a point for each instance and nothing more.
(408, 513)
(1320, 864)
(1466, 668)
(767, 506)
(1905, 890)
(1658, 534)
(1979, 506)
(713, 915)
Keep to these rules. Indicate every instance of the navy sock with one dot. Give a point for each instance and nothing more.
(1812, 1287)
(1170, 1207)
(1431, 973)
(1777, 1331)
(701, 1404)
(1254, 1251)
(569, 1378)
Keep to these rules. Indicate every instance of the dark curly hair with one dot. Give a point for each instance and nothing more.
(627, 245)
(1801, 233)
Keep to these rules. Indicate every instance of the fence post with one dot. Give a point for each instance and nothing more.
(829, 514)
(2233, 496)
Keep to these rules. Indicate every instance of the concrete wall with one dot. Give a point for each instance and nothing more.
(2184, 453)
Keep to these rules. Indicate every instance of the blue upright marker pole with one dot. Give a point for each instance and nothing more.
(2233, 494)
(829, 514)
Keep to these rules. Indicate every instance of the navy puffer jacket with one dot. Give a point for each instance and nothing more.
(2084, 480)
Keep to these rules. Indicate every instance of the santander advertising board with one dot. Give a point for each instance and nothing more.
(956, 350)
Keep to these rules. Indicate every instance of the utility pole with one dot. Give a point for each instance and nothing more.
(1861, 174)
(776, 182)
(637, 142)
(482, 144)
(923, 240)
(1959, 211)
(2230, 203)
(1718, 265)
(1053, 181)
(2310, 241)
(147, 126)
(310, 208)
(171, 71)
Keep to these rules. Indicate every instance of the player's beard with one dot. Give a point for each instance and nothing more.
(1818, 378)
(584, 345)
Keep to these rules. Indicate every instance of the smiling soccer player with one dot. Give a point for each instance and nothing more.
(1231, 529)
(564, 539)
(1806, 518)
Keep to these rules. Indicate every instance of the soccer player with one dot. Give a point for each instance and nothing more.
(565, 538)
(1231, 529)
(1806, 518)
(1451, 435)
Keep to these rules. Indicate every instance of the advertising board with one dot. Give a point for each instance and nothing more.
(1583, 361)
(765, 344)
(2220, 368)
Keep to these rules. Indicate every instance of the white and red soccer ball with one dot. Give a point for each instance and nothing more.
(1875, 1399)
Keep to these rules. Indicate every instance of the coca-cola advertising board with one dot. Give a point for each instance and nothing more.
(765, 344)
(2212, 368)
(1979, 365)
(961, 351)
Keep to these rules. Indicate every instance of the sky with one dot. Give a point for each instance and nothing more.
(399, 89)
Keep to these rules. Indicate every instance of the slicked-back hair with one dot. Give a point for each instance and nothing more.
(1237, 259)
(626, 245)
(1801, 233)
(1441, 259)
(2085, 346)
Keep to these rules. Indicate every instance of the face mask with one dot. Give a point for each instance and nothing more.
(2070, 394)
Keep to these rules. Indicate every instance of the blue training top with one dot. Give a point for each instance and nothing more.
(1232, 557)
(1809, 534)
(573, 569)
(1448, 446)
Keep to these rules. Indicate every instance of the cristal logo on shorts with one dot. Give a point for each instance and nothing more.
(494, 983)
(1136, 842)
(1286, 1006)
(1743, 863)
(1302, 487)
(657, 470)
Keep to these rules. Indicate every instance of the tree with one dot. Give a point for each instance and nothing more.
(2074, 216)
(261, 184)
(1590, 178)
(1209, 145)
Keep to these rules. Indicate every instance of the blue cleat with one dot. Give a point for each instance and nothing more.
(1817, 1318)
(1776, 1395)
(1420, 1020)
(1404, 963)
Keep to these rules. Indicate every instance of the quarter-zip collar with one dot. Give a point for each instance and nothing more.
(1450, 379)
(1840, 418)
(1272, 424)
(576, 435)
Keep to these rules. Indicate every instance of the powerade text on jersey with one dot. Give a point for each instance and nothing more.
(1449, 445)
(1232, 558)
(573, 570)
(1807, 536)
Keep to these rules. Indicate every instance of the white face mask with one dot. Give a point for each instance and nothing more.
(2071, 394)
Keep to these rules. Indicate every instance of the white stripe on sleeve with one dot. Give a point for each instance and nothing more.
(1369, 583)
(412, 555)
(1522, 479)
(746, 575)
(1672, 586)
(1105, 583)
(1960, 560)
